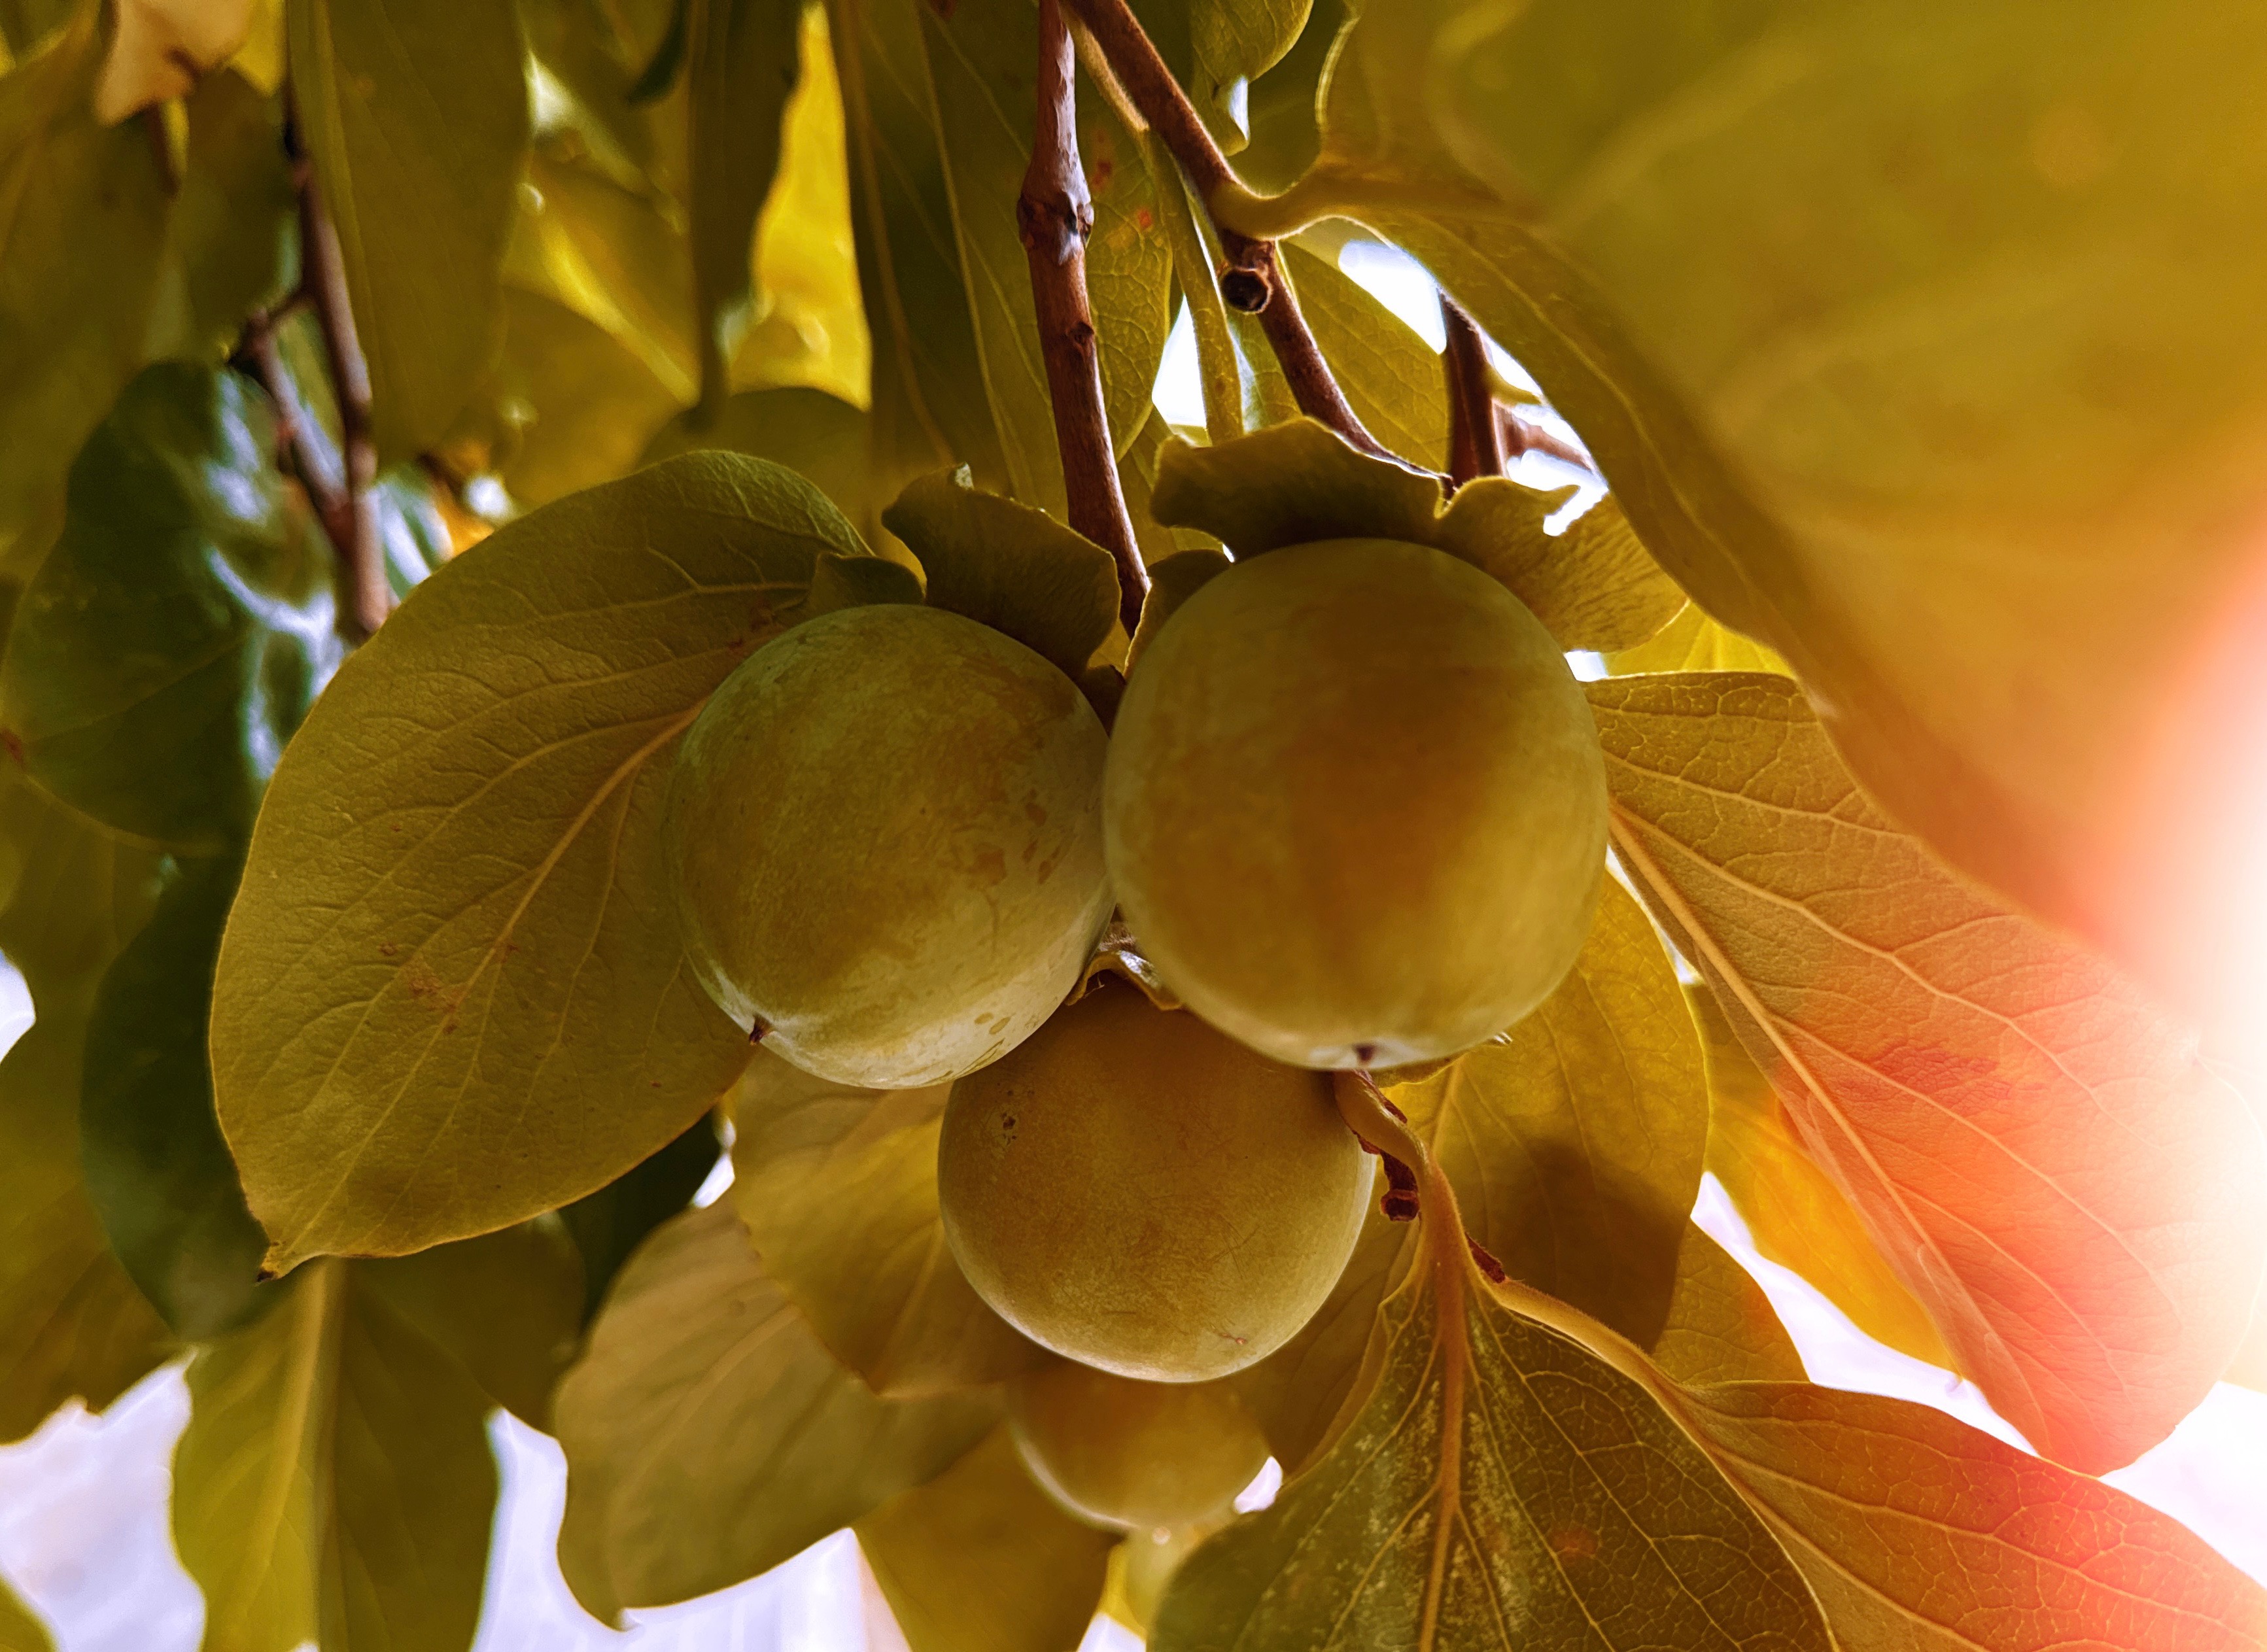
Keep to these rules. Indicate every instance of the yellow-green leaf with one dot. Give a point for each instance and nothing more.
(855, 582)
(452, 993)
(2049, 1168)
(709, 1435)
(415, 113)
(1721, 1328)
(82, 223)
(838, 1188)
(980, 1559)
(1795, 1214)
(1594, 585)
(1014, 568)
(818, 435)
(1392, 379)
(1576, 1142)
(608, 1225)
(20, 1629)
(1290, 484)
(740, 70)
(1172, 582)
(1501, 1487)
(334, 1482)
(1692, 641)
(231, 229)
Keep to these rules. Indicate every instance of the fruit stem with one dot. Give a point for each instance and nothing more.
(1255, 281)
(1384, 1130)
(1055, 214)
(1476, 438)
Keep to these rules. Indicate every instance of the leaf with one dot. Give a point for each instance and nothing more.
(334, 1483)
(577, 408)
(1392, 379)
(1594, 585)
(1795, 1214)
(1137, 475)
(1014, 568)
(160, 52)
(1575, 1144)
(1692, 641)
(1721, 1327)
(20, 1629)
(453, 949)
(1172, 582)
(2038, 1151)
(1919, 1533)
(1290, 484)
(1231, 41)
(838, 1188)
(855, 582)
(506, 1307)
(173, 639)
(72, 1325)
(928, 403)
(980, 1559)
(233, 219)
(709, 1435)
(79, 894)
(740, 68)
(1947, 322)
(157, 1171)
(980, 60)
(1499, 1486)
(818, 436)
(416, 117)
(82, 223)
(607, 1225)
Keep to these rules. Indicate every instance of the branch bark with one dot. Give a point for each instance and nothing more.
(1476, 437)
(1055, 214)
(1254, 281)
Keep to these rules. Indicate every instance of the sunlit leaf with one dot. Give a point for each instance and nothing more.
(20, 1629)
(1393, 379)
(506, 1307)
(1795, 1214)
(609, 1224)
(1015, 568)
(416, 117)
(816, 435)
(838, 1188)
(740, 69)
(157, 1171)
(160, 49)
(82, 223)
(452, 995)
(1501, 1486)
(1575, 1144)
(709, 1435)
(335, 1481)
(1938, 326)
(2040, 1154)
(1593, 585)
(1172, 582)
(1231, 41)
(980, 1559)
(1721, 1328)
(179, 630)
(1692, 641)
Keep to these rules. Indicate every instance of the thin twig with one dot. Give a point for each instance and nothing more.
(1255, 281)
(350, 520)
(1476, 444)
(1055, 216)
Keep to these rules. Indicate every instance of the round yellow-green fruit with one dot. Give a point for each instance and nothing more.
(1356, 810)
(883, 833)
(1136, 1192)
(1123, 1452)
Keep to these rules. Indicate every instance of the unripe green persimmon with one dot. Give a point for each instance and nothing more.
(1355, 808)
(1135, 1191)
(885, 837)
(1122, 1452)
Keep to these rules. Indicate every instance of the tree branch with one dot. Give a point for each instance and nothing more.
(1055, 214)
(1476, 438)
(1255, 281)
(1520, 437)
(349, 516)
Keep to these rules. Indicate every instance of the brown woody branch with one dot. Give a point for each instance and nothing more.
(1254, 281)
(1055, 214)
(1476, 437)
(1521, 436)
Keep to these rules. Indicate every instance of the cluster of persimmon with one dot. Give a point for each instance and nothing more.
(1351, 812)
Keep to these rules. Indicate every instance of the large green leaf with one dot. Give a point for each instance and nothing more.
(817, 435)
(82, 221)
(452, 993)
(1720, 1326)
(609, 1224)
(1501, 1486)
(929, 409)
(740, 69)
(334, 1483)
(157, 1171)
(1946, 320)
(980, 1559)
(576, 407)
(709, 1435)
(2039, 1152)
(415, 113)
(1393, 379)
(180, 628)
(838, 1188)
(1575, 1144)
(981, 58)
